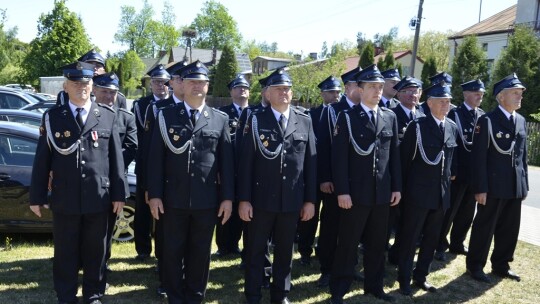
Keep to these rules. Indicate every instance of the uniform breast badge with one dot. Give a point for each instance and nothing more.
(171, 130)
(176, 137)
(57, 134)
(67, 134)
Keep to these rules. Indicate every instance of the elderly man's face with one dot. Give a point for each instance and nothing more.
(439, 107)
(78, 91)
(279, 95)
(510, 99)
(105, 95)
(473, 99)
(409, 97)
(159, 88)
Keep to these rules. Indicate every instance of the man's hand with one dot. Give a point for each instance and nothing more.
(481, 198)
(225, 209)
(37, 209)
(327, 187)
(307, 212)
(395, 198)
(118, 207)
(453, 177)
(146, 198)
(245, 210)
(344, 201)
(156, 207)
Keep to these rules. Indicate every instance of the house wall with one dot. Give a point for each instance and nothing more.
(494, 44)
(406, 66)
(527, 11)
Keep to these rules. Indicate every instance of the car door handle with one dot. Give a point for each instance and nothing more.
(4, 176)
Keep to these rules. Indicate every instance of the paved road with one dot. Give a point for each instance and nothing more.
(530, 212)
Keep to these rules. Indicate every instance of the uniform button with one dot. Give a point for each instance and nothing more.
(83, 162)
(284, 178)
(192, 161)
(284, 151)
(192, 174)
(284, 165)
(84, 175)
(82, 149)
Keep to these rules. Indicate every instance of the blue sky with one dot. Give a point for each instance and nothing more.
(298, 26)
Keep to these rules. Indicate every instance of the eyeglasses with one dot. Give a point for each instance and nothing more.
(410, 92)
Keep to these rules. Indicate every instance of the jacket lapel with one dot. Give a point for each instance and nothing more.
(203, 119)
(184, 116)
(364, 117)
(435, 129)
(381, 121)
(291, 124)
(504, 121)
(93, 118)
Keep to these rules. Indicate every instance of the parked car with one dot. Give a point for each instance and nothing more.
(18, 144)
(20, 116)
(43, 97)
(15, 99)
(39, 107)
(22, 87)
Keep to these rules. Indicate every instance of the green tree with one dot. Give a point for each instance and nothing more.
(368, 53)
(361, 42)
(306, 77)
(431, 43)
(164, 34)
(385, 41)
(12, 53)
(388, 62)
(226, 71)
(522, 56)
(61, 39)
(429, 69)
(135, 29)
(215, 27)
(251, 48)
(469, 63)
(324, 50)
(130, 69)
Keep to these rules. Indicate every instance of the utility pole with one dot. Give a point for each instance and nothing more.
(480, 12)
(416, 37)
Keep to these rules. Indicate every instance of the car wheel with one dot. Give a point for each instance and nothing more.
(123, 229)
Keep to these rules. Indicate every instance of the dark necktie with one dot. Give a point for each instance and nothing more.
(240, 111)
(411, 115)
(441, 127)
(78, 118)
(282, 124)
(388, 104)
(372, 118)
(193, 116)
(512, 123)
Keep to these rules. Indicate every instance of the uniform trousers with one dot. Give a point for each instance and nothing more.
(228, 235)
(328, 231)
(418, 221)
(459, 217)
(308, 229)
(187, 239)
(79, 242)
(282, 227)
(142, 222)
(369, 224)
(499, 218)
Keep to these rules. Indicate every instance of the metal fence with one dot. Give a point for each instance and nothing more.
(533, 143)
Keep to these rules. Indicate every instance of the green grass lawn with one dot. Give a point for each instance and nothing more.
(26, 277)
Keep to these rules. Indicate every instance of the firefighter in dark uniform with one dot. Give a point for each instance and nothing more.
(367, 180)
(441, 77)
(244, 116)
(391, 78)
(143, 219)
(191, 174)
(500, 182)
(229, 234)
(462, 202)
(277, 184)
(79, 148)
(98, 62)
(330, 94)
(409, 90)
(106, 91)
(426, 156)
(328, 230)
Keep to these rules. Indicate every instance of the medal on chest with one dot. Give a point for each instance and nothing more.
(95, 138)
